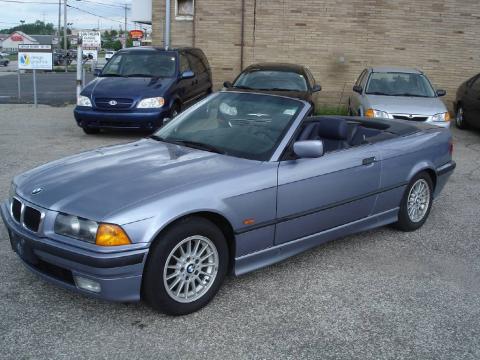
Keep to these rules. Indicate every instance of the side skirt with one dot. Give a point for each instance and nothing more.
(274, 254)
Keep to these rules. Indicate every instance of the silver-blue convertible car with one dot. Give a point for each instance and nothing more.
(237, 182)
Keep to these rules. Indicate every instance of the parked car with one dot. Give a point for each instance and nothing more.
(467, 104)
(237, 182)
(398, 93)
(140, 87)
(4, 60)
(277, 78)
(109, 54)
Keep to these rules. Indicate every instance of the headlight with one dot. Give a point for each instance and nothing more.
(12, 192)
(151, 103)
(84, 101)
(442, 117)
(373, 113)
(78, 228)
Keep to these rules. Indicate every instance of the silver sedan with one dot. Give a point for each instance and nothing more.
(398, 93)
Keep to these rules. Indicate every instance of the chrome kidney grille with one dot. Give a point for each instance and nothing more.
(26, 215)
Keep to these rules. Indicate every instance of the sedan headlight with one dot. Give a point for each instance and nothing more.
(78, 228)
(151, 103)
(373, 113)
(442, 117)
(84, 101)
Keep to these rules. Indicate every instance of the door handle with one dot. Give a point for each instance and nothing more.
(368, 161)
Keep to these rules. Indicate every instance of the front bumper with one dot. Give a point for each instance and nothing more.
(147, 119)
(119, 274)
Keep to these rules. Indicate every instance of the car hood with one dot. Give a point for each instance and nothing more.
(406, 105)
(98, 183)
(122, 87)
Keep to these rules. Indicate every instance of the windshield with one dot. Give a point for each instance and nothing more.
(141, 64)
(399, 84)
(244, 125)
(271, 80)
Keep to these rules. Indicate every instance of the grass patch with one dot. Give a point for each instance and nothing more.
(331, 110)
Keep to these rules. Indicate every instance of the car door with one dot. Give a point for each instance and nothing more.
(201, 79)
(185, 86)
(356, 99)
(318, 194)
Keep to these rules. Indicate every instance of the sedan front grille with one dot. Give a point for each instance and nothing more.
(411, 117)
(113, 104)
(26, 215)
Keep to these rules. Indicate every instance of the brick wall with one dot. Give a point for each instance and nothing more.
(336, 39)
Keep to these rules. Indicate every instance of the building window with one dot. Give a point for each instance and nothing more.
(184, 9)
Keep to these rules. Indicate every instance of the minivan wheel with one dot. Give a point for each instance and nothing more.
(186, 266)
(460, 118)
(416, 203)
(175, 111)
(90, 131)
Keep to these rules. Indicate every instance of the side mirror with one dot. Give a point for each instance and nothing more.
(441, 92)
(166, 120)
(357, 89)
(316, 88)
(97, 72)
(308, 148)
(227, 84)
(187, 74)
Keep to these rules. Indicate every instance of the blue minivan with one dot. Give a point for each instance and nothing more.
(140, 87)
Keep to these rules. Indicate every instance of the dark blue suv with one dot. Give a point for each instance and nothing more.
(140, 87)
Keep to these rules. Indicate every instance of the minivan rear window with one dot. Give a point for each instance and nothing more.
(141, 64)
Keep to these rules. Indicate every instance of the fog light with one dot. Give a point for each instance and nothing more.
(87, 284)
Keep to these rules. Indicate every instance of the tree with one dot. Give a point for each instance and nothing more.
(36, 28)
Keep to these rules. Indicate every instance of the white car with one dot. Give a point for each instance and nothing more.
(109, 54)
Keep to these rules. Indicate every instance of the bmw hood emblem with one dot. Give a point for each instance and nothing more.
(112, 102)
(37, 191)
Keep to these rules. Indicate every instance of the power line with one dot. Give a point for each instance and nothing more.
(102, 3)
(29, 2)
(100, 16)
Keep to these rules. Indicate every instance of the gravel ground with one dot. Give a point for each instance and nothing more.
(382, 294)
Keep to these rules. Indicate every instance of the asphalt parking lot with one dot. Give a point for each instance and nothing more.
(382, 294)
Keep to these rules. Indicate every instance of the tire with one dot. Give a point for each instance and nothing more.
(412, 215)
(168, 269)
(175, 110)
(460, 118)
(90, 131)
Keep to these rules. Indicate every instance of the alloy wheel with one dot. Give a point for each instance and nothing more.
(418, 200)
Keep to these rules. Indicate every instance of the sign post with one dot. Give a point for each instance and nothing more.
(79, 66)
(34, 57)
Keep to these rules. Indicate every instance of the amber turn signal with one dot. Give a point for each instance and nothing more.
(111, 235)
(370, 113)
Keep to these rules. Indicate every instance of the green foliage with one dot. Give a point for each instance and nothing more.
(36, 28)
(331, 110)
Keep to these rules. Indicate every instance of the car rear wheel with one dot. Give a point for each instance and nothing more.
(416, 203)
(460, 118)
(186, 267)
(90, 131)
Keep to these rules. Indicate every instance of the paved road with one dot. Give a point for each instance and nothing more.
(53, 88)
(382, 294)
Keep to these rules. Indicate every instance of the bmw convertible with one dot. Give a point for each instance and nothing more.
(235, 183)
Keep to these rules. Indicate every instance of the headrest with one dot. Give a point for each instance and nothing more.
(332, 128)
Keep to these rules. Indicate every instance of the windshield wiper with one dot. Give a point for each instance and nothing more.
(411, 95)
(111, 75)
(378, 93)
(277, 89)
(197, 145)
(138, 75)
(188, 143)
(243, 87)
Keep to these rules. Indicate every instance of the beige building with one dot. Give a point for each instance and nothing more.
(336, 39)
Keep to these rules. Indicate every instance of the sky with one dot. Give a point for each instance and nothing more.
(110, 13)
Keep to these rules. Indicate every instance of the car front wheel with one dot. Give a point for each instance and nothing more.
(186, 266)
(416, 203)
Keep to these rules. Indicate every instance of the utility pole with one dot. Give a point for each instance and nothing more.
(125, 29)
(65, 33)
(166, 33)
(59, 20)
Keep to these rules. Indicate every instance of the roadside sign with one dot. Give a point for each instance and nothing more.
(91, 39)
(94, 53)
(35, 57)
(136, 34)
(136, 43)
